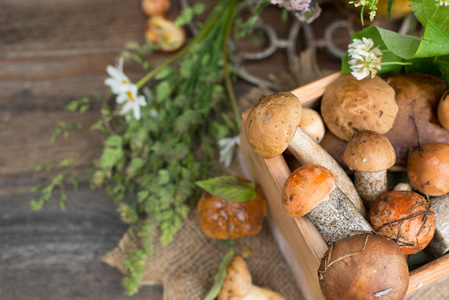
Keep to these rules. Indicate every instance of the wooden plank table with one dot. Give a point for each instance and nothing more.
(52, 52)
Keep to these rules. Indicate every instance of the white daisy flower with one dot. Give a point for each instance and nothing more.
(364, 58)
(442, 2)
(227, 147)
(118, 82)
(131, 100)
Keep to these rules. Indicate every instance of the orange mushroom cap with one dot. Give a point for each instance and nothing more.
(223, 219)
(305, 188)
(405, 217)
(428, 169)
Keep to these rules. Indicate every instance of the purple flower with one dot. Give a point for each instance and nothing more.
(304, 10)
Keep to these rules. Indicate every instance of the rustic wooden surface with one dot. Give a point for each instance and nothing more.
(52, 52)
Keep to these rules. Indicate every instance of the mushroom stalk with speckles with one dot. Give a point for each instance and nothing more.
(439, 245)
(311, 191)
(369, 154)
(272, 127)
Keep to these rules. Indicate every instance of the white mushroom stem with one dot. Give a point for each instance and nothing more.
(308, 152)
(337, 218)
(439, 244)
(370, 185)
(258, 293)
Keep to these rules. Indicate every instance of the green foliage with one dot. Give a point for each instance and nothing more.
(159, 157)
(63, 129)
(56, 185)
(81, 105)
(229, 188)
(189, 13)
(429, 54)
(245, 28)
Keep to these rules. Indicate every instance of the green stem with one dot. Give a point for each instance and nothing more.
(172, 58)
(396, 63)
(227, 74)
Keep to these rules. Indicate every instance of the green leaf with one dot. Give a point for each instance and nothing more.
(163, 73)
(134, 167)
(390, 5)
(429, 10)
(230, 188)
(113, 152)
(163, 91)
(219, 278)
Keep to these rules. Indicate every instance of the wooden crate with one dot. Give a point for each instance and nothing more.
(299, 241)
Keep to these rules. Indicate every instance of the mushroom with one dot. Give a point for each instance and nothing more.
(311, 191)
(369, 154)
(312, 123)
(350, 105)
(155, 7)
(417, 95)
(443, 110)
(272, 127)
(428, 169)
(362, 267)
(439, 245)
(164, 33)
(238, 284)
(405, 217)
(223, 219)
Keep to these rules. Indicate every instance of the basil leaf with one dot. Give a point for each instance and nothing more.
(229, 188)
(220, 277)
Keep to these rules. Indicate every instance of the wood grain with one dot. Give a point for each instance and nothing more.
(52, 52)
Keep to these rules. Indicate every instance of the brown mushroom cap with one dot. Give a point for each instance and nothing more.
(405, 217)
(223, 219)
(350, 105)
(305, 188)
(155, 7)
(237, 283)
(369, 151)
(428, 170)
(443, 110)
(312, 123)
(272, 123)
(364, 267)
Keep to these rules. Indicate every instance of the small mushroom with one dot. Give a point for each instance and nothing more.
(272, 127)
(369, 154)
(311, 191)
(223, 219)
(155, 7)
(238, 284)
(350, 105)
(428, 169)
(443, 110)
(405, 217)
(312, 123)
(164, 33)
(364, 267)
